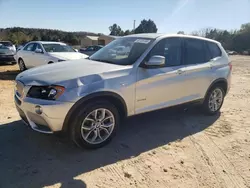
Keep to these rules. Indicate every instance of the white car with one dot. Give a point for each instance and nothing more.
(38, 53)
(9, 45)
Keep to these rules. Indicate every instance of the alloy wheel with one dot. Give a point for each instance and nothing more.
(215, 100)
(97, 126)
(21, 65)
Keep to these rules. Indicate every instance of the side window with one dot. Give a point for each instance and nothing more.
(29, 47)
(170, 48)
(38, 47)
(214, 49)
(195, 52)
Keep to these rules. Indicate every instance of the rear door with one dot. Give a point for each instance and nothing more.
(198, 71)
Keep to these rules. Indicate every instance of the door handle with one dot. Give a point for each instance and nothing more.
(180, 71)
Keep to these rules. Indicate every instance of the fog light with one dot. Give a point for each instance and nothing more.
(38, 110)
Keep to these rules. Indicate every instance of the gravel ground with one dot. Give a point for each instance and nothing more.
(168, 148)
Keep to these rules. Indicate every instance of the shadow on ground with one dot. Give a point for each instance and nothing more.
(30, 159)
(9, 75)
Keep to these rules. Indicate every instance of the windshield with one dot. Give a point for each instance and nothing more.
(122, 51)
(53, 47)
(2, 47)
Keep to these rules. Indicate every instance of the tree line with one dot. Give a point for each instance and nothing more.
(19, 35)
(146, 26)
(237, 40)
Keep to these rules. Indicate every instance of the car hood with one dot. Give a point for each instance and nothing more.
(67, 55)
(75, 71)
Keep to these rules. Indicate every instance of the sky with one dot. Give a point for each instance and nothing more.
(96, 16)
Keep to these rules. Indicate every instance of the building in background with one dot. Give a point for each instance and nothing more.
(97, 40)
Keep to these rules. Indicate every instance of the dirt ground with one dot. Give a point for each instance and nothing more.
(169, 148)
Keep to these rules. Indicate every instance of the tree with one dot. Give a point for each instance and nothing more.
(35, 38)
(146, 26)
(116, 30)
(181, 32)
(128, 32)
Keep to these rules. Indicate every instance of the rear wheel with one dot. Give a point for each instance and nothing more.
(214, 100)
(94, 125)
(21, 64)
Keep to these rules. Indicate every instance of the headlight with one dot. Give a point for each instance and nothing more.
(45, 92)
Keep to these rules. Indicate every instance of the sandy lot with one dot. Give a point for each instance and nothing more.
(169, 148)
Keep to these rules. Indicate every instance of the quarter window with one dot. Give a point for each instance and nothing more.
(170, 48)
(195, 51)
(214, 50)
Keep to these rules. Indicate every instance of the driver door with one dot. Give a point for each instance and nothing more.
(161, 87)
(38, 58)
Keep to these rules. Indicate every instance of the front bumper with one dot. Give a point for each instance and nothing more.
(50, 120)
(7, 58)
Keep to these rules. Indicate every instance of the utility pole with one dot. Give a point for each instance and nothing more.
(134, 25)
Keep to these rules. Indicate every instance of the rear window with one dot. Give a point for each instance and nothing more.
(8, 44)
(214, 50)
(195, 51)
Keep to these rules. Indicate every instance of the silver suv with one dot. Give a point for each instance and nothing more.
(87, 98)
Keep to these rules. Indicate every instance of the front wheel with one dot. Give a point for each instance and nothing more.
(214, 100)
(21, 64)
(94, 125)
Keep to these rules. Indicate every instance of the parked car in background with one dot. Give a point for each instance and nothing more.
(6, 55)
(90, 49)
(232, 53)
(39, 53)
(89, 97)
(9, 45)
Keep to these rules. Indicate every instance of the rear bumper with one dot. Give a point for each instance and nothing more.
(7, 58)
(48, 119)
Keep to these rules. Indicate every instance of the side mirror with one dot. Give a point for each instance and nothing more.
(156, 61)
(39, 51)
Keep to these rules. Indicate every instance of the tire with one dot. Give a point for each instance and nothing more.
(22, 65)
(50, 62)
(208, 105)
(85, 127)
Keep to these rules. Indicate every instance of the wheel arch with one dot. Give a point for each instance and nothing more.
(20, 58)
(112, 97)
(221, 81)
